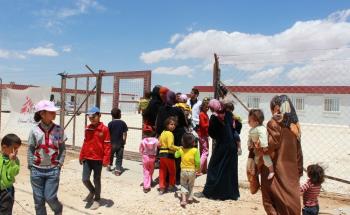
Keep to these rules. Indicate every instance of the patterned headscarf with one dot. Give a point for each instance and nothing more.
(287, 112)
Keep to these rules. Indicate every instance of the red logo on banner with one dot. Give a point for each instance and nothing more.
(27, 106)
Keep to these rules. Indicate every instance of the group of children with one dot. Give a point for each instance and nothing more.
(188, 152)
(46, 153)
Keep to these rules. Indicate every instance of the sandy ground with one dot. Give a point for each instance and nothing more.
(123, 195)
(327, 145)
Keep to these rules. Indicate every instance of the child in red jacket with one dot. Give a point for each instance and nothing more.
(203, 135)
(94, 154)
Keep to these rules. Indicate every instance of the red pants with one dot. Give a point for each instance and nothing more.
(167, 167)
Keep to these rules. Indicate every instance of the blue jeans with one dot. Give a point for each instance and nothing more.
(311, 210)
(45, 186)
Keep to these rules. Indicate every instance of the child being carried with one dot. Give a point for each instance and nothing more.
(258, 138)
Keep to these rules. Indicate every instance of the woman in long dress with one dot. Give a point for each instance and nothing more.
(281, 195)
(222, 175)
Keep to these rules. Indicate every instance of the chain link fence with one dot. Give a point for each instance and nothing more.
(320, 92)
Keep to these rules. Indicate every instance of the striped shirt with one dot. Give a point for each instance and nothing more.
(310, 193)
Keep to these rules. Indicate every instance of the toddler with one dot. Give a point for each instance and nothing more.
(258, 138)
(9, 166)
(311, 189)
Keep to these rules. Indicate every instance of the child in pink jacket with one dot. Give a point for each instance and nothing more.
(148, 150)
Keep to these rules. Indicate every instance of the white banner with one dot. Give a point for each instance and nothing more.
(22, 104)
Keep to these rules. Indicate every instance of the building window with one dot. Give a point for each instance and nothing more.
(253, 102)
(331, 104)
(298, 103)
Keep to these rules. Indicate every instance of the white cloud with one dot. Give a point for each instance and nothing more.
(175, 38)
(265, 77)
(181, 71)
(191, 27)
(4, 53)
(43, 51)
(339, 16)
(67, 49)
(53, 19)
(81, 7)
(8, 54)
(296, 49)
(158, 55)
(329, 69)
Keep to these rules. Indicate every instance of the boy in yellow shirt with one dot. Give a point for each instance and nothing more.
(190, 163)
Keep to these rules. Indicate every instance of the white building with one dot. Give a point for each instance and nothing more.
(314, 104)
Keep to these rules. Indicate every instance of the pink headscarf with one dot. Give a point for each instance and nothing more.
(217, 108)
(214, 105)
(183, 98)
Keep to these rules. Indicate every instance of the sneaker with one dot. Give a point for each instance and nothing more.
(171, 189)
(95, 205)
(117, 173)
(109, 168)
(146, 190)
(89, 197)
(161, 191)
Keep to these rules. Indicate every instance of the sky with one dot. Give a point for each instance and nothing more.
(258, 42)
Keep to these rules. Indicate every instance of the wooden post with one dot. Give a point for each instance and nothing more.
(63, 98)
(216, 76)
(116, 92)
(87, 101)
(99, 88)
(75, 109)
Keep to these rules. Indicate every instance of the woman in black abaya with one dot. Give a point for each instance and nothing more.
(222, 175)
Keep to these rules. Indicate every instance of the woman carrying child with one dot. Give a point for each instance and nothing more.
(281, 195)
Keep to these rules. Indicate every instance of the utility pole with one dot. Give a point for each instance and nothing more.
(216, 76)
(63, 99)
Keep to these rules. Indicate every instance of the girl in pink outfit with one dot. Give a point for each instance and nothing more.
(148, 150)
